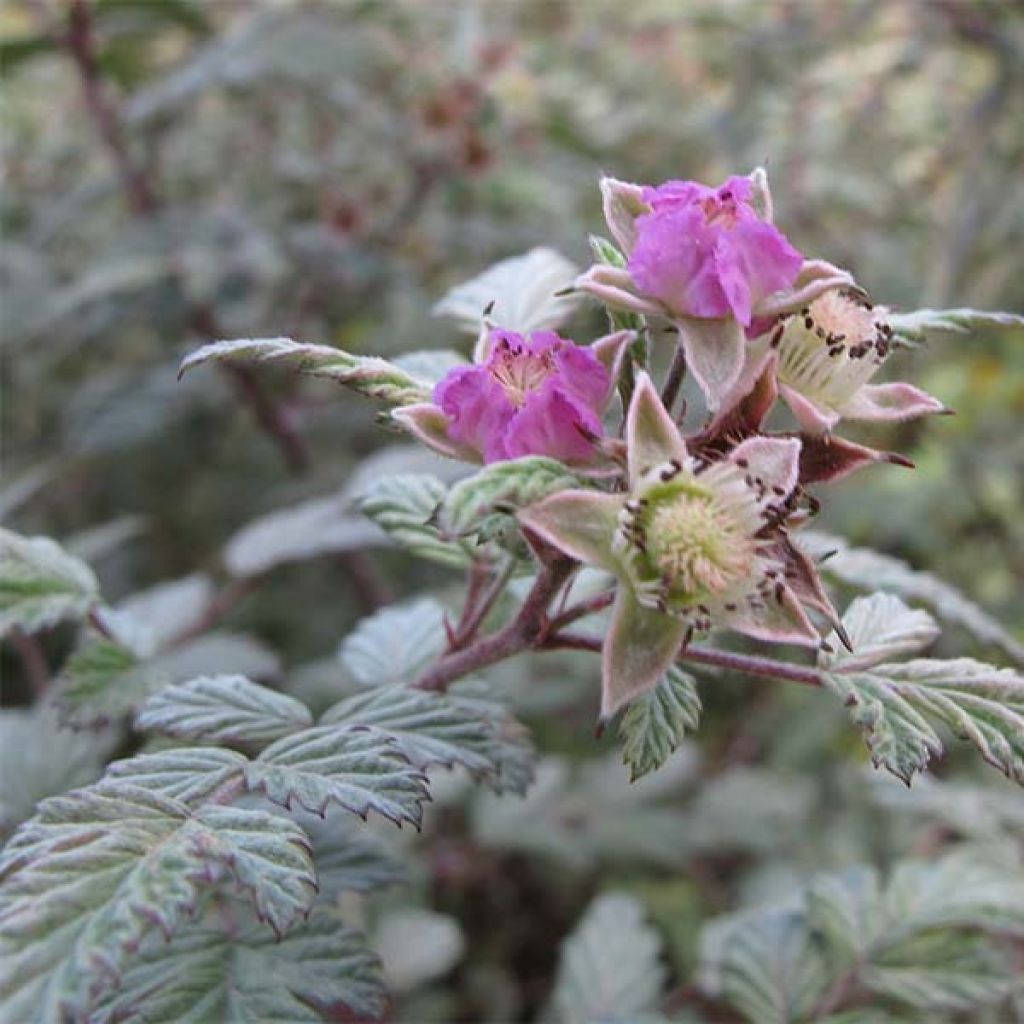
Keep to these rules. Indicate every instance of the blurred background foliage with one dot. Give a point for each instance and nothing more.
(176, 172)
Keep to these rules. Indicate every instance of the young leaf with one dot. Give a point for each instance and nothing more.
(223, 709)
(368, 375)
(610, 967)
(502, 487)
(188, 774)
(243, 975)
(94, 871)
(871, 570)
(395, 644)
(405, 506)
(517, 294)
(431, 728)
(655, 722)
(896, 704)
(879, 627)
(359, 770)
(41, 584)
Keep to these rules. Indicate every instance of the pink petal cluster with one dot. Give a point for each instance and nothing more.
(706, 252)
(536, 395)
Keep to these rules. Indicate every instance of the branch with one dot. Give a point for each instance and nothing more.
(528, 630)
(750, 664)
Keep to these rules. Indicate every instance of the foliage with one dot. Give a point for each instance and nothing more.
(226, 601)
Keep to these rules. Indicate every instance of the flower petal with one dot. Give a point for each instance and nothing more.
(714, 355)
(896, 401)
(623, 202)
(755, 260)
(477, 408)
(815, 278)
(638, 648)
(651, 434)
(580, 523)
(427, 423)
(814, 418)
(772, 463)
(580, 371)
(554, 423)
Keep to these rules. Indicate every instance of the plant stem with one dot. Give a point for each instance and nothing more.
(526, 631)
(578, 611)
(750, 664)
(674, 381)
(475, 613)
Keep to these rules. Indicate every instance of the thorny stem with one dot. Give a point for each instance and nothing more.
(526, 631)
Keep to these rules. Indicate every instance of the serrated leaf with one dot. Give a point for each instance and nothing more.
(103, 681)
(517, 294)
(656, 722)
(896, 704)
(879, 627)
(188, 774)
(360, 770)
(872, 570)
(349, 857)
(94, 871)
(207, 974)
(502, 487)
(916, 326)
(311, 528)
(610, 966)
(223, 709)
(433, 728)
(369, 375)
(41, 584)
(395, 644)
(405, 506)
(39, 759)
(766, 965)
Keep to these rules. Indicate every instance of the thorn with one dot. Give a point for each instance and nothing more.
(562, 292)
(843, 636)
(489, 308)
(899, 460)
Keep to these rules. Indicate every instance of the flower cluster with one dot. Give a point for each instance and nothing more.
(694, 529)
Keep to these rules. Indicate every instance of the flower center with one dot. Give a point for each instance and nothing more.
(720, 209)
(518, 371)
(697, 549)
(832, 348)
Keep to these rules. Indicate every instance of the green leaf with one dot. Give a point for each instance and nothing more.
(871, 570)
(405, 506)
(606, 252)
(896, 704)
(502, 488)
(765, 964)
(920, 324)
(223, 709)
(94, 871)
(879, 627)
(188, 774)
(246, 976)
(369, 375)
(395, 644)
(610, 966)
(518, 294)
(41, 584)
(434, 728)
(360, 770)
(656, 722)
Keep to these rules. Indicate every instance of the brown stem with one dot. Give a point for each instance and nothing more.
(474, 616)
(527, 630)
(578, 611)
(80, 42)
(750, 664)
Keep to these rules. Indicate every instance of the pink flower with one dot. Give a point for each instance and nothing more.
(711, 261)
(706, 253)
(535, 395)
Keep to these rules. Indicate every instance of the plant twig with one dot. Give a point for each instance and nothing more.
(578, 611)
(477, 609)
(674, 381)
(750, 664)
(526, 631)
